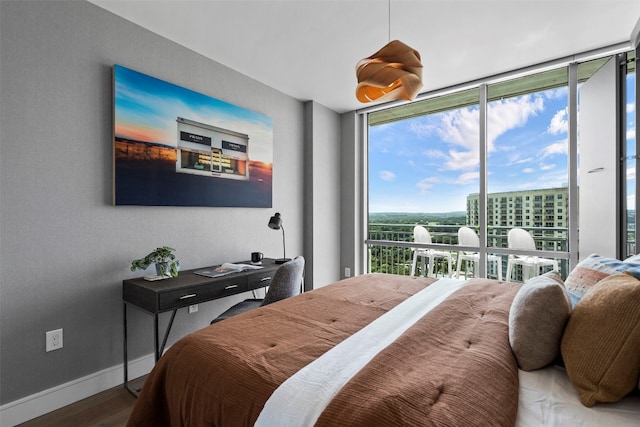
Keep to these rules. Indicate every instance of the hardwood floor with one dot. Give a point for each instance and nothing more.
(111, 408)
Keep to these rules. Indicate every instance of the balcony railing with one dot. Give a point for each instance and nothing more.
(388, 258)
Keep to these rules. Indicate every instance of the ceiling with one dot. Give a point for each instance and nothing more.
(308, 49)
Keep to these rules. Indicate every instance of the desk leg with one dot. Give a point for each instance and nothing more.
(166, 335)
(159, 349)
(124, 344)
(155, 338)
(124, 351)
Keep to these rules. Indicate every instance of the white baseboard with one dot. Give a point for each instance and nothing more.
(41, 403)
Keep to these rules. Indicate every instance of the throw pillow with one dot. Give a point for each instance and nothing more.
(633, 258)
(601, 342)
(591, 270)
(537, 318)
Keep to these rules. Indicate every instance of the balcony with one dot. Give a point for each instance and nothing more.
(387, 257)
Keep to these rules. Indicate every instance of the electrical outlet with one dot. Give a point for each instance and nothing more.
(347, 272)
(193, 308)
(54, 340)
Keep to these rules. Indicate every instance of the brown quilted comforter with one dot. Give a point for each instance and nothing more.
(454, 367)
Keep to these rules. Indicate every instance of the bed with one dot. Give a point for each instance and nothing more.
(374, 350)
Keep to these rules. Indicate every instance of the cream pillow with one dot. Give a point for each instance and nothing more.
(601, 343)
(537, 318)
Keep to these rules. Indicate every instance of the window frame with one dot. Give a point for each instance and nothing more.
(570, 67)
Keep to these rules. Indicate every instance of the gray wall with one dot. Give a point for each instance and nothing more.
(322, 195)
(352, 209)
(64, 250)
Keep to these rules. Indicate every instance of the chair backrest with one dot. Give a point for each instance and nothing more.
(520, 239)
(468, 237)
(286, 281)
(421, 234)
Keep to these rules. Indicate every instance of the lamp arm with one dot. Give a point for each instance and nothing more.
(284, 249)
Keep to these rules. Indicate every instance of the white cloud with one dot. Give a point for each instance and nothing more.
(558, 123)
(462, 160)
(422, 128)
(426, 184)
(467, 177)
(511, 113)
(631, 107)
(435, 154)
(461, 128)
(517, 161)
(631, 173)
(387, 176)
(546, 167)
(631, 134)
(559, 147)
(559, 93)
(528, 170)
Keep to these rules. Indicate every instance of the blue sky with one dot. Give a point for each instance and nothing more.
(431, 163)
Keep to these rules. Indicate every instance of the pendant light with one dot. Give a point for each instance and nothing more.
(392, 73)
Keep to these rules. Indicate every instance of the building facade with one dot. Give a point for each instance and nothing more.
(542, 211)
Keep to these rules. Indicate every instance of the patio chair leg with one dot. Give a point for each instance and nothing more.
(413, 264)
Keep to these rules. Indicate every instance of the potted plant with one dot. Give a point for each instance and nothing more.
(166, 263)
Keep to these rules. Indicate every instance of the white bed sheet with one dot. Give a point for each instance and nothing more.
(547, 398)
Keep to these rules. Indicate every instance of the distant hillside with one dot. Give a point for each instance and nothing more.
(444, 218)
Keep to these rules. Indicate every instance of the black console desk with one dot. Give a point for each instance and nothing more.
(155, 297)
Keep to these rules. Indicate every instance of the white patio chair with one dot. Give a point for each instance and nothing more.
(468, 237)
(422, 235)
(521, 239)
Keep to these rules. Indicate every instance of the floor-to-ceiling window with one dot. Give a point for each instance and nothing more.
(423, 163)
(427, 161)
(630, 155)
(527, 164)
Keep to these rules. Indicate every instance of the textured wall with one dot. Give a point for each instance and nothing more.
(64, 249)
(322, 190)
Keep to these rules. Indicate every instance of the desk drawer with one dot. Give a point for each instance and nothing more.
(197, 294)
(260, 280)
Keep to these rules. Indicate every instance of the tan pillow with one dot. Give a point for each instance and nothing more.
(537, 318)
(601, 343)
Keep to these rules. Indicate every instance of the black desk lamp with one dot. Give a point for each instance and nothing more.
(275, 223)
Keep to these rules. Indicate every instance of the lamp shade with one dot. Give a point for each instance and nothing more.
(392, 73)
(275, 222)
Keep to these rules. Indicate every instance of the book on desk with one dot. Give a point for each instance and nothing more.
(226, 268)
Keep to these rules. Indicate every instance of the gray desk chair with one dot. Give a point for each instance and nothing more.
(285, 283)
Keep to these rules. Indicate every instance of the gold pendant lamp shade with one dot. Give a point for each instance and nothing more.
(392, 73)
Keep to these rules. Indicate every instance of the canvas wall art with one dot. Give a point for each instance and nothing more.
(177, 147)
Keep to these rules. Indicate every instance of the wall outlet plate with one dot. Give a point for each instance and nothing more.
(54, 340)
(193, 308)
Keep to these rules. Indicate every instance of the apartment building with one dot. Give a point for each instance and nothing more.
(541, 211)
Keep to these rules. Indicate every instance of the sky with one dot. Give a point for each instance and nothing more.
(431, 163)
(146, 109)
